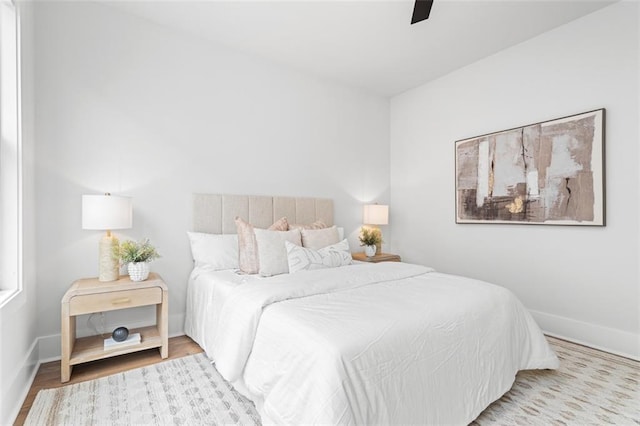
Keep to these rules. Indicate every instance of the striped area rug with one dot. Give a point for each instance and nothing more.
(590, 388)
(182, 391)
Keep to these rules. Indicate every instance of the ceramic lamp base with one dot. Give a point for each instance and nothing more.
(108, 267)
(379, 244)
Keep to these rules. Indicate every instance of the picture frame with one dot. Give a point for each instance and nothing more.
(546, 173)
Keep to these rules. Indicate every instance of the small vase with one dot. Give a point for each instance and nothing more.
(370, 251)
(138, 271)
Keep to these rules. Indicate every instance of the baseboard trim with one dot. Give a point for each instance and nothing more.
(30, 362)
(605, 339)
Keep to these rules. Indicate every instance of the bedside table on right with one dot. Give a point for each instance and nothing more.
(382, 257)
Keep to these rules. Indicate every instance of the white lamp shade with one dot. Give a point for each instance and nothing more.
(106, 212)
(376, 214)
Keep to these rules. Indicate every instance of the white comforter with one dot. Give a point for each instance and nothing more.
(386, 343)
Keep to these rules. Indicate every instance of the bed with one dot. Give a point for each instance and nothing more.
(386, 343)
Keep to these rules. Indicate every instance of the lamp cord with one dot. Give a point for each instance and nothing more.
(93, 327)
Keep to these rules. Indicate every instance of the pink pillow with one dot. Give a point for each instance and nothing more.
(318, 224)
(248, 259)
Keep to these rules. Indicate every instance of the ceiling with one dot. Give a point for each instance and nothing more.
(367, 44)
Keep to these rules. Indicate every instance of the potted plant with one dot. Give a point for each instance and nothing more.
(136, 255)
(370, 238)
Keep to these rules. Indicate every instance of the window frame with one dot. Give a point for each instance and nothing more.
(11, 167)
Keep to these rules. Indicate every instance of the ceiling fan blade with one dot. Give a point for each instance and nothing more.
(421, 10)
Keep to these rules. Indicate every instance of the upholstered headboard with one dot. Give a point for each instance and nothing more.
(215, 213)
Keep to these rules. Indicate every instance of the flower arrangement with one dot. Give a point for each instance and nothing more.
(135, 251)
(370, 236)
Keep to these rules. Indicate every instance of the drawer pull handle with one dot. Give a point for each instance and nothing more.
(121, 300)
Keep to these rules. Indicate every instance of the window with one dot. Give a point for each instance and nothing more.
(10, 153)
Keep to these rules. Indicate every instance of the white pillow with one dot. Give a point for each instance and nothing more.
(333, 256)
(248, 248)
(272, 253)
(217, 250)
(318, 238)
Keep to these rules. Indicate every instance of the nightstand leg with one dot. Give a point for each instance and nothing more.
(68, 338)
(162, 319)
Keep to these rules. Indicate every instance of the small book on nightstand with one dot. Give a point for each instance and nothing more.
(133, 339)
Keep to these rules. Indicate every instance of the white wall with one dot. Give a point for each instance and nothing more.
(581, 282)
(127, 106)
(18, 318)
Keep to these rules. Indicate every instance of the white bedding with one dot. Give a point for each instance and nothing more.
(383, 343)
(207, 291)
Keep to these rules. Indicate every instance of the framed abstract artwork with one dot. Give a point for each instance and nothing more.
(549, 173)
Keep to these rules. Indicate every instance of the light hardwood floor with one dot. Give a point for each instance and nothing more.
(48, 375)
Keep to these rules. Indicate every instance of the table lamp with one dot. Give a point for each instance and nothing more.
(106, 213)
(376, 214)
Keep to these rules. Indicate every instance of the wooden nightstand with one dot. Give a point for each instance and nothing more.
(382, 257)
(88, 296)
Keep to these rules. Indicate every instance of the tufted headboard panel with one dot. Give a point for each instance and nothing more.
(215, 213)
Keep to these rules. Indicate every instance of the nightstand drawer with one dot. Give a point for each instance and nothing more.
(102, 302)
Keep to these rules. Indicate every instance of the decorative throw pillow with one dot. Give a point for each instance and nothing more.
(318, 238)
(248, 260)
(333, 256)
(272, 251)
(219, 251)
(318, 224)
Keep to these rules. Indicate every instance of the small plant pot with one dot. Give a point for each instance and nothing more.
(370, 251)
(138, 271)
